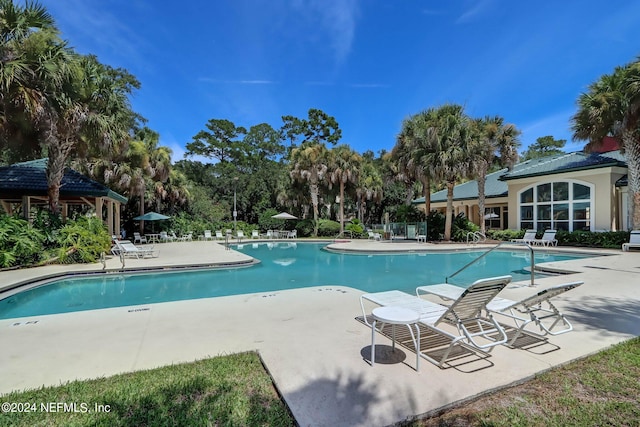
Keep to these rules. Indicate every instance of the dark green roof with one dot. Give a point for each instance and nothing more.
(497, 187)
(568, 163)
(29, 178)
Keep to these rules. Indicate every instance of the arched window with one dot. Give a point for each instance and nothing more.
(559, 205)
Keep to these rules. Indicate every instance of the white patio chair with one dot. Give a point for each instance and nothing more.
(529, 237)
(548, 239)
(634, 241)
(165, 237)
(207, 235)
(255, 234)
(186, 238)
(137, 238)
(239, 235)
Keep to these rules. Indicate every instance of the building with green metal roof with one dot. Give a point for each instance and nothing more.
(571, 191)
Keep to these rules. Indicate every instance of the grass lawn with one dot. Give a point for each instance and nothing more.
(235, 390)
(222, 391)
(600, 390)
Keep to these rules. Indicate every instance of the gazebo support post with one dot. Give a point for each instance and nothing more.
(26, 208)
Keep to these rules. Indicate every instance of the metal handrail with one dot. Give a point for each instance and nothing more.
(446, 280)
(344, 235)
(477, 237)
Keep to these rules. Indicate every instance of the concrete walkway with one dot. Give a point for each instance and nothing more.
(309, 339)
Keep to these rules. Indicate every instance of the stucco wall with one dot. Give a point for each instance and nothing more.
(605, 212)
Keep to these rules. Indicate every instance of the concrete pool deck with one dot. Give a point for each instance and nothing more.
(308, 338)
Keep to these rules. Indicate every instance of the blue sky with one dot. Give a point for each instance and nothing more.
(368, 63)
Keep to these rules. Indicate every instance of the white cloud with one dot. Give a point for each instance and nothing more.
(337, 19)
(475, 11)
(91, 26)
(242, 82)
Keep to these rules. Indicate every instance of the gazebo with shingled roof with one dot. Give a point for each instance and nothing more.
(24, 185)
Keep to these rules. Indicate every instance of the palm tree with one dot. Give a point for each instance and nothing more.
(611, 106)
(449, 132)
(416, 152)
(309, 164)
(369, 187)
(344, 164)
(20, 63)
(92, 109)
(492, 141)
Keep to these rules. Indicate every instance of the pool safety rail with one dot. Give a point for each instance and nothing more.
(474, 237)
(493, 249)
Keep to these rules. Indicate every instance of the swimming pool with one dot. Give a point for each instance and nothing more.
(284, 265)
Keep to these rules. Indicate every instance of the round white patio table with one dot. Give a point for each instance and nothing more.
(395, 316)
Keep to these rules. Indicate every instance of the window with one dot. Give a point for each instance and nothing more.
(562, 205)
(492, 218)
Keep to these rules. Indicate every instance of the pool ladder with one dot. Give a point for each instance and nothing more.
(493, 249)
(475, 237)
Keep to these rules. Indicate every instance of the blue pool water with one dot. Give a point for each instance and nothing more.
(283, 266)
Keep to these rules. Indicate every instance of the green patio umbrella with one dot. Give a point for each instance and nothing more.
(151, 216)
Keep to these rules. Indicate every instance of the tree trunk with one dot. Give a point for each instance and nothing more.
(341, 208)
(141, 212)
(313, 189)
(426, 192)
(409, 194)
(58, 152)
(632, 154)
(449, 213)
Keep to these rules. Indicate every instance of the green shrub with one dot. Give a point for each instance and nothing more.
(408, 213)
(20, 243)
(606, 239)
(460, 227)
(505, 235)
(328, 228)
(435, 225)
(83, 240)
(355, 227)
(265, 222)
(304, 228)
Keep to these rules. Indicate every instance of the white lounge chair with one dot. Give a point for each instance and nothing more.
(130, 250)
(374, 236)
(186, 237)
(239, 235)
(536, 309)
(165, 237)
(137, 238)
(206, 236)
(255, 234)
(529, 237)
(477, 329)
(548, 239)
(634, 241)
(219, 235)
